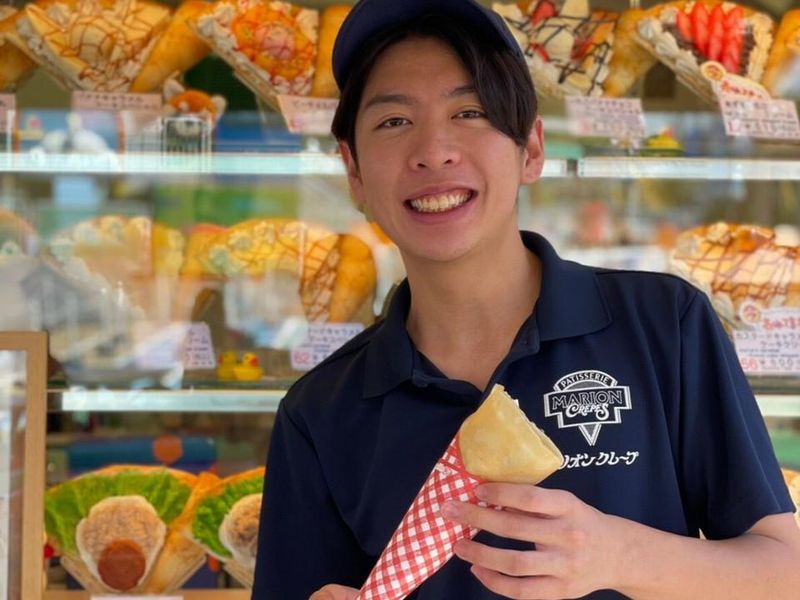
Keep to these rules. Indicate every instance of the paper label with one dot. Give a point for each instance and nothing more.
(198, 351)
(307, 115)
(323, 339)
(772, 347)
(91, 100)
(759, 118)
(619, 118)
(8, 104)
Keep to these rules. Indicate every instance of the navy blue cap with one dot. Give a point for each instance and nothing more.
(369, 17)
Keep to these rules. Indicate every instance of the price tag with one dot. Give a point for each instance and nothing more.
(759, 118)
(307, 115)
(8, 104)
(112, 101)
(323, 339)
(619, 118)
(198, 350)
(773, 346)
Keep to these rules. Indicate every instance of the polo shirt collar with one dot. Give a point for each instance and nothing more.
(570, 304)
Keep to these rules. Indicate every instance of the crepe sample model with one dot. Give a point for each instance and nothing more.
(496, 443)
(573, 50)
(178, 49)
(331, 19)
(225, 522)
(15, 65)
(335, 274)
(271, 45)
(91, 44)
(783, 63)
(738, 266)
(120, 529)
(792, 479)
(685, 35)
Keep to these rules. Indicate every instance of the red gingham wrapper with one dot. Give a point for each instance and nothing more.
(424, 540)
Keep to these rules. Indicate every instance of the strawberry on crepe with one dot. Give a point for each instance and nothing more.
(226, 519)
(685, 35)
(119, 529)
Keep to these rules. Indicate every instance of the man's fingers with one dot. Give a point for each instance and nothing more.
(335, 592)
(509, 562)
(522, 588)
(528, 498)
(513, 525)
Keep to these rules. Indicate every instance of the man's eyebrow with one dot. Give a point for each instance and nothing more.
(462, 90)
(389, 99)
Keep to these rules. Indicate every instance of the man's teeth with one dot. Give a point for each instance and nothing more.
(434, 204)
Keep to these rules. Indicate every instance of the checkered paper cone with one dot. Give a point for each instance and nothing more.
(424, 540)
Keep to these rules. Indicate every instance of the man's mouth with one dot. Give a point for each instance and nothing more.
(437, 203)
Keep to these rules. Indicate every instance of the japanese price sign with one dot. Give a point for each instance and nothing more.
(8, 103)
(323, 339)
(111, 101)
(773, 346)
(307, 115)
(619, 118)
(760, 118)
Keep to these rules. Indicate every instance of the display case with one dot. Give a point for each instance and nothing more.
(188, 269)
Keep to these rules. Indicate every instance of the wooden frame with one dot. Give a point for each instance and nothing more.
(34, 345)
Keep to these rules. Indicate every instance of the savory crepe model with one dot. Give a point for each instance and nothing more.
(686, 34)
(91, 44)
(15, 65)
(226, 522)
(119, 529)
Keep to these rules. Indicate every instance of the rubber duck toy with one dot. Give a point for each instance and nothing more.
(227, 362)
(248, 369)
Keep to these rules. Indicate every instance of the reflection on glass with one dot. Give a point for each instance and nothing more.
(12, 437)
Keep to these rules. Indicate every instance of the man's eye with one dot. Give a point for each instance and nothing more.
(471, 114)
(392, 123)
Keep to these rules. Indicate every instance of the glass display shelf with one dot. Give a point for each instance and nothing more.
(633, 167)
(180, 594)
(772, 404)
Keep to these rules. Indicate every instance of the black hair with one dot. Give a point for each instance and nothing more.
(501, 79)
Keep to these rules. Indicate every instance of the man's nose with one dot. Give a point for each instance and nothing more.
(434, 149)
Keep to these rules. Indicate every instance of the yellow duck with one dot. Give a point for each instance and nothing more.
(248, 369)
(227, 362)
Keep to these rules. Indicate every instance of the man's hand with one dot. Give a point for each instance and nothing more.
(334, 592)
(578, 548)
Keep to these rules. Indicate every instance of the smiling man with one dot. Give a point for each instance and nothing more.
(630, 374)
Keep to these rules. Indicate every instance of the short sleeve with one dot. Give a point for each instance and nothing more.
(730, 475)
(303, 542)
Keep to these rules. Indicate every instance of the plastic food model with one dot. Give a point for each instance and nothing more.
(16, 234)
(684, 35)
(122, 528)
(225, 522)
(571, 49)
(271, 46)
(792, 479)
(14, 63)
(334, 274)
(739, 266)
(180, 101)
(324, 85)
(784, 58)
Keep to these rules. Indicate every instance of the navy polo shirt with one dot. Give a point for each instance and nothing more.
(629, 373)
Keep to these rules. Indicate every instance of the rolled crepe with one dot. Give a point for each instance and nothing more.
(496, 443)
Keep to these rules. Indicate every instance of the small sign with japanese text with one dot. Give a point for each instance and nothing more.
(8, 104)
(617, 118)
(323, 339)
(308, 115)
(113, 101)
(198, 349)
(759, 118)
(773, 346)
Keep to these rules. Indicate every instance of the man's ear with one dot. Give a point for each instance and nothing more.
(533, 153)
(353, 175)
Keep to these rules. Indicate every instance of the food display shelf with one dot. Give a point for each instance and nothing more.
(689, 168)
(263, 400)
(180, 595)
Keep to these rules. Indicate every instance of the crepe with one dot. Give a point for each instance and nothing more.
(684, 35)
(225, 522)
(784, 57)
(324, 85)
(792, 479)
(120, 529)
(15, 65)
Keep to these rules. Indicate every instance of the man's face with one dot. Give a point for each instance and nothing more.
(432, 171)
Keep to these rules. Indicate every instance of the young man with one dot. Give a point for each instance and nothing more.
(629, 373)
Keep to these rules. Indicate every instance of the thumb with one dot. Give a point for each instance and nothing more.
(335, 592)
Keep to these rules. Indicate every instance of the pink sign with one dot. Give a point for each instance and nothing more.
(112, 101)
(308, 115)
(617, 118)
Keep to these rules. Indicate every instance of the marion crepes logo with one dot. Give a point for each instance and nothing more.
(587, 400)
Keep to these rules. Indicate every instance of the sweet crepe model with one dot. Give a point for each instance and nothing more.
(225, 523)
(686, 34)
(496, 443)
(335, 273)
(323, 84)
(572, 50)
(120, 529)
(738, 267)
(178, 49)
(271, 45)
(792, 479)
(15, 65)
(784, 58)
(91, 44)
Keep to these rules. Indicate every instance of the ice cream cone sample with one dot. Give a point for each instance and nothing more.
(119, 529)
(496, 443)
(15, 65)
(226, 519)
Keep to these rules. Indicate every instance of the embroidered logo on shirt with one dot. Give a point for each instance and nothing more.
(587, 400)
